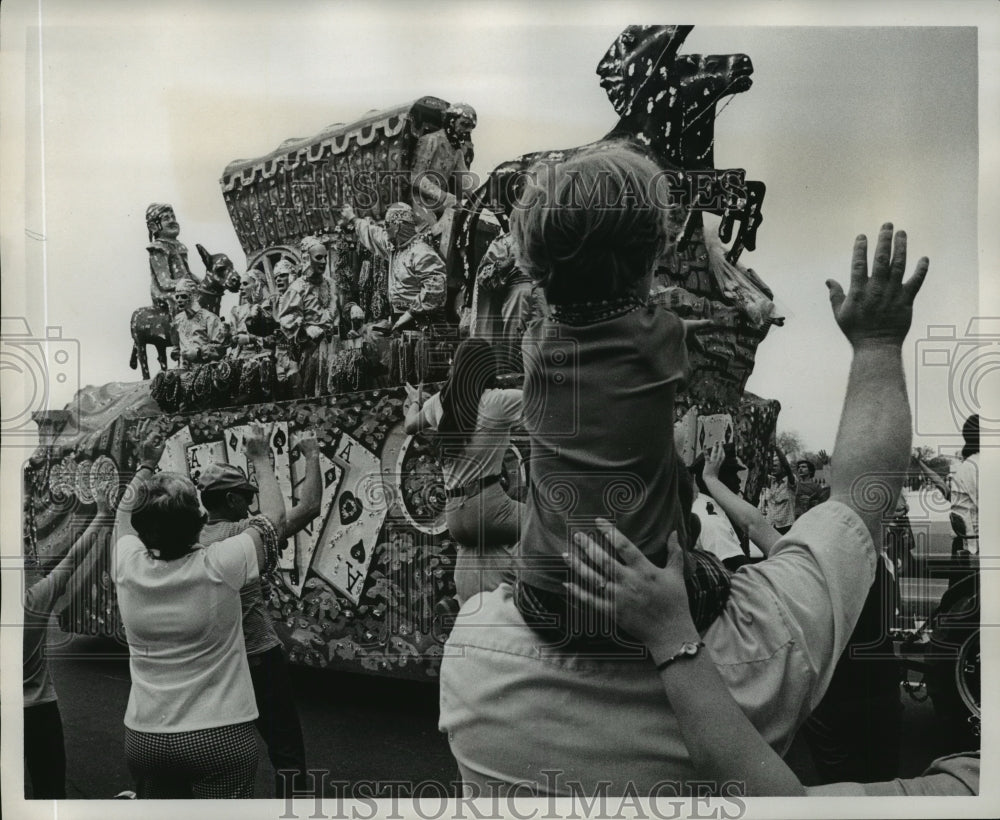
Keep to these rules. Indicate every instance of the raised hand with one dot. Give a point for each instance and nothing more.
(878, 308)
(152, 448)
(309, 446)
(713, 460)
(256, 440)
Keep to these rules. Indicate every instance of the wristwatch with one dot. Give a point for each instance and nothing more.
(688, 650)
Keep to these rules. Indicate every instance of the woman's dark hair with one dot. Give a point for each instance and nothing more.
(970, 432)
(473, 371)
(167, 516)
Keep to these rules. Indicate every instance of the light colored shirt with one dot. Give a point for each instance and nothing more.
(482, 456)
(965, 497)
(952, 776)
(182, 621)
(258, 628)
(777, 503)
(718, 536)
(512, 709)
(197, 334)
(307, 303)
(417, 274)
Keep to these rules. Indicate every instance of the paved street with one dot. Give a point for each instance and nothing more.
(359, 728)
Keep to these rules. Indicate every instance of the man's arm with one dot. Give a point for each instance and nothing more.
(872, 449)
(430, 267)
(312, 490)
(652, 604)
(935, 479)
(82, 549)
(290, 312)
(150, 451)
(372, 236)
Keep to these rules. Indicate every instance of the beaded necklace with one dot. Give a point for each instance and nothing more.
(586, 313)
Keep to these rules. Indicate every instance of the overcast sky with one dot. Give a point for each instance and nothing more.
(126, 104)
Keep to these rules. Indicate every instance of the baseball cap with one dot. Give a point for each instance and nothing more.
(220, 476)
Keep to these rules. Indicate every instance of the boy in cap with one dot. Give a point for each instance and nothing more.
(227, 495)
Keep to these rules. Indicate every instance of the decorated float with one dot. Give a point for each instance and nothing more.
(368, 586)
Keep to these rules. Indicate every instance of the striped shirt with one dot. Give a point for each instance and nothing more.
(258, 628)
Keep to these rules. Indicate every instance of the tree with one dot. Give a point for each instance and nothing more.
(789, 441)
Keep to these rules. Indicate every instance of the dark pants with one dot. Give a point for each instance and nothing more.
(278, 721)
(44, 753)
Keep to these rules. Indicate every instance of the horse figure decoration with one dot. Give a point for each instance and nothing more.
(150, 326)
(667, 107)
(220, 276)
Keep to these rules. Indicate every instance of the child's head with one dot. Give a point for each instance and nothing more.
(593, 227)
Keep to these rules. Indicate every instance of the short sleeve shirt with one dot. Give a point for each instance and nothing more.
(482, 456)
(515, 709)
(183, 624)
(965, 493)
(258, 628)
(598, 408)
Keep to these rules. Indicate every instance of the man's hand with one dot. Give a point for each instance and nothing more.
(347, 214)
(152, 448)
(314, 332)
(256, 440)
(647, 602)
(878, 308)
(713, 461)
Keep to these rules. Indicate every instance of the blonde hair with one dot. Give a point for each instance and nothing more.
(592, 227)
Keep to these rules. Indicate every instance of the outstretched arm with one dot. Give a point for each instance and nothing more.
(872, 449)
(82, 549)
(740, 512)
(935, 479)
(150, 451)
(652, 604)
(272, 503)
(312, 489)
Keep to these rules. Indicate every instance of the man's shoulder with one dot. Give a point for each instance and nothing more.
(221, 530)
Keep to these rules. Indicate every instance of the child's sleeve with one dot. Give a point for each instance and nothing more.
(669, 338)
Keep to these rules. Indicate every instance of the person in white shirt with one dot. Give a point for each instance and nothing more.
(189, 721)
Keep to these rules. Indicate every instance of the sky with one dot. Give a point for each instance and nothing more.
(848, 126)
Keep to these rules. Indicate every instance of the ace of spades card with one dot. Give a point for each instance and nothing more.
(296, 565)
(199, 456)
(279, 446)
(344, 551)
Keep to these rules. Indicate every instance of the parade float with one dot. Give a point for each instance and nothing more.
(368, 586)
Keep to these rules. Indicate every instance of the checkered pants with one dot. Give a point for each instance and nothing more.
(209, 763)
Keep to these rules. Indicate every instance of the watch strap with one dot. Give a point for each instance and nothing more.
(688, 650)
